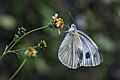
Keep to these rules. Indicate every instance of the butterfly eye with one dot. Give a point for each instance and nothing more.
(87, 55)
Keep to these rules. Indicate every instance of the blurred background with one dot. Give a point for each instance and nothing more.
(100, 19)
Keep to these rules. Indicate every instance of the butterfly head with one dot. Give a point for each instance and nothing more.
(72, 30)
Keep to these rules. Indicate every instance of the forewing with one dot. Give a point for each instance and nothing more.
(69, 51)
(91, 53)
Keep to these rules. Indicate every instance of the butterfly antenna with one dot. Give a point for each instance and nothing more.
(72, 17)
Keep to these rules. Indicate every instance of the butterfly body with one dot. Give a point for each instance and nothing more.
(77, 49)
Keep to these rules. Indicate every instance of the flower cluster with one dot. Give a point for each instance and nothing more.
(59, 24)
(21, 31)
(43, 44)
(31, 52)
(56, 23)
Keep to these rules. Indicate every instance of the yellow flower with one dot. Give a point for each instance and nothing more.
(43, 44)
(58, 22)
(31, 52)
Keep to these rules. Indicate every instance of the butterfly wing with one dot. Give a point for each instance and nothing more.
(91, 53)
(69, 52)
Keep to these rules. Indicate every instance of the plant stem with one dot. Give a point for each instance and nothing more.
(17, 50)
(27, 34)
(1, 57)
(37, 29)
(20, 67)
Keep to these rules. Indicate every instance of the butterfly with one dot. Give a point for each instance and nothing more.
(78, 49)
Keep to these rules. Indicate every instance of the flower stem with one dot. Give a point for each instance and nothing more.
(20, 67)
(27, 34)
(1, 57)
(37, 29)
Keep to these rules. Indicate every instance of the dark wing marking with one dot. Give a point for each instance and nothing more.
(91, 53)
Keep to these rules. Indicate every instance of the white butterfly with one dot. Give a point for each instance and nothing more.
(77, 49)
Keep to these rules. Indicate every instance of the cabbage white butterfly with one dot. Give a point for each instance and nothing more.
(77, 49)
